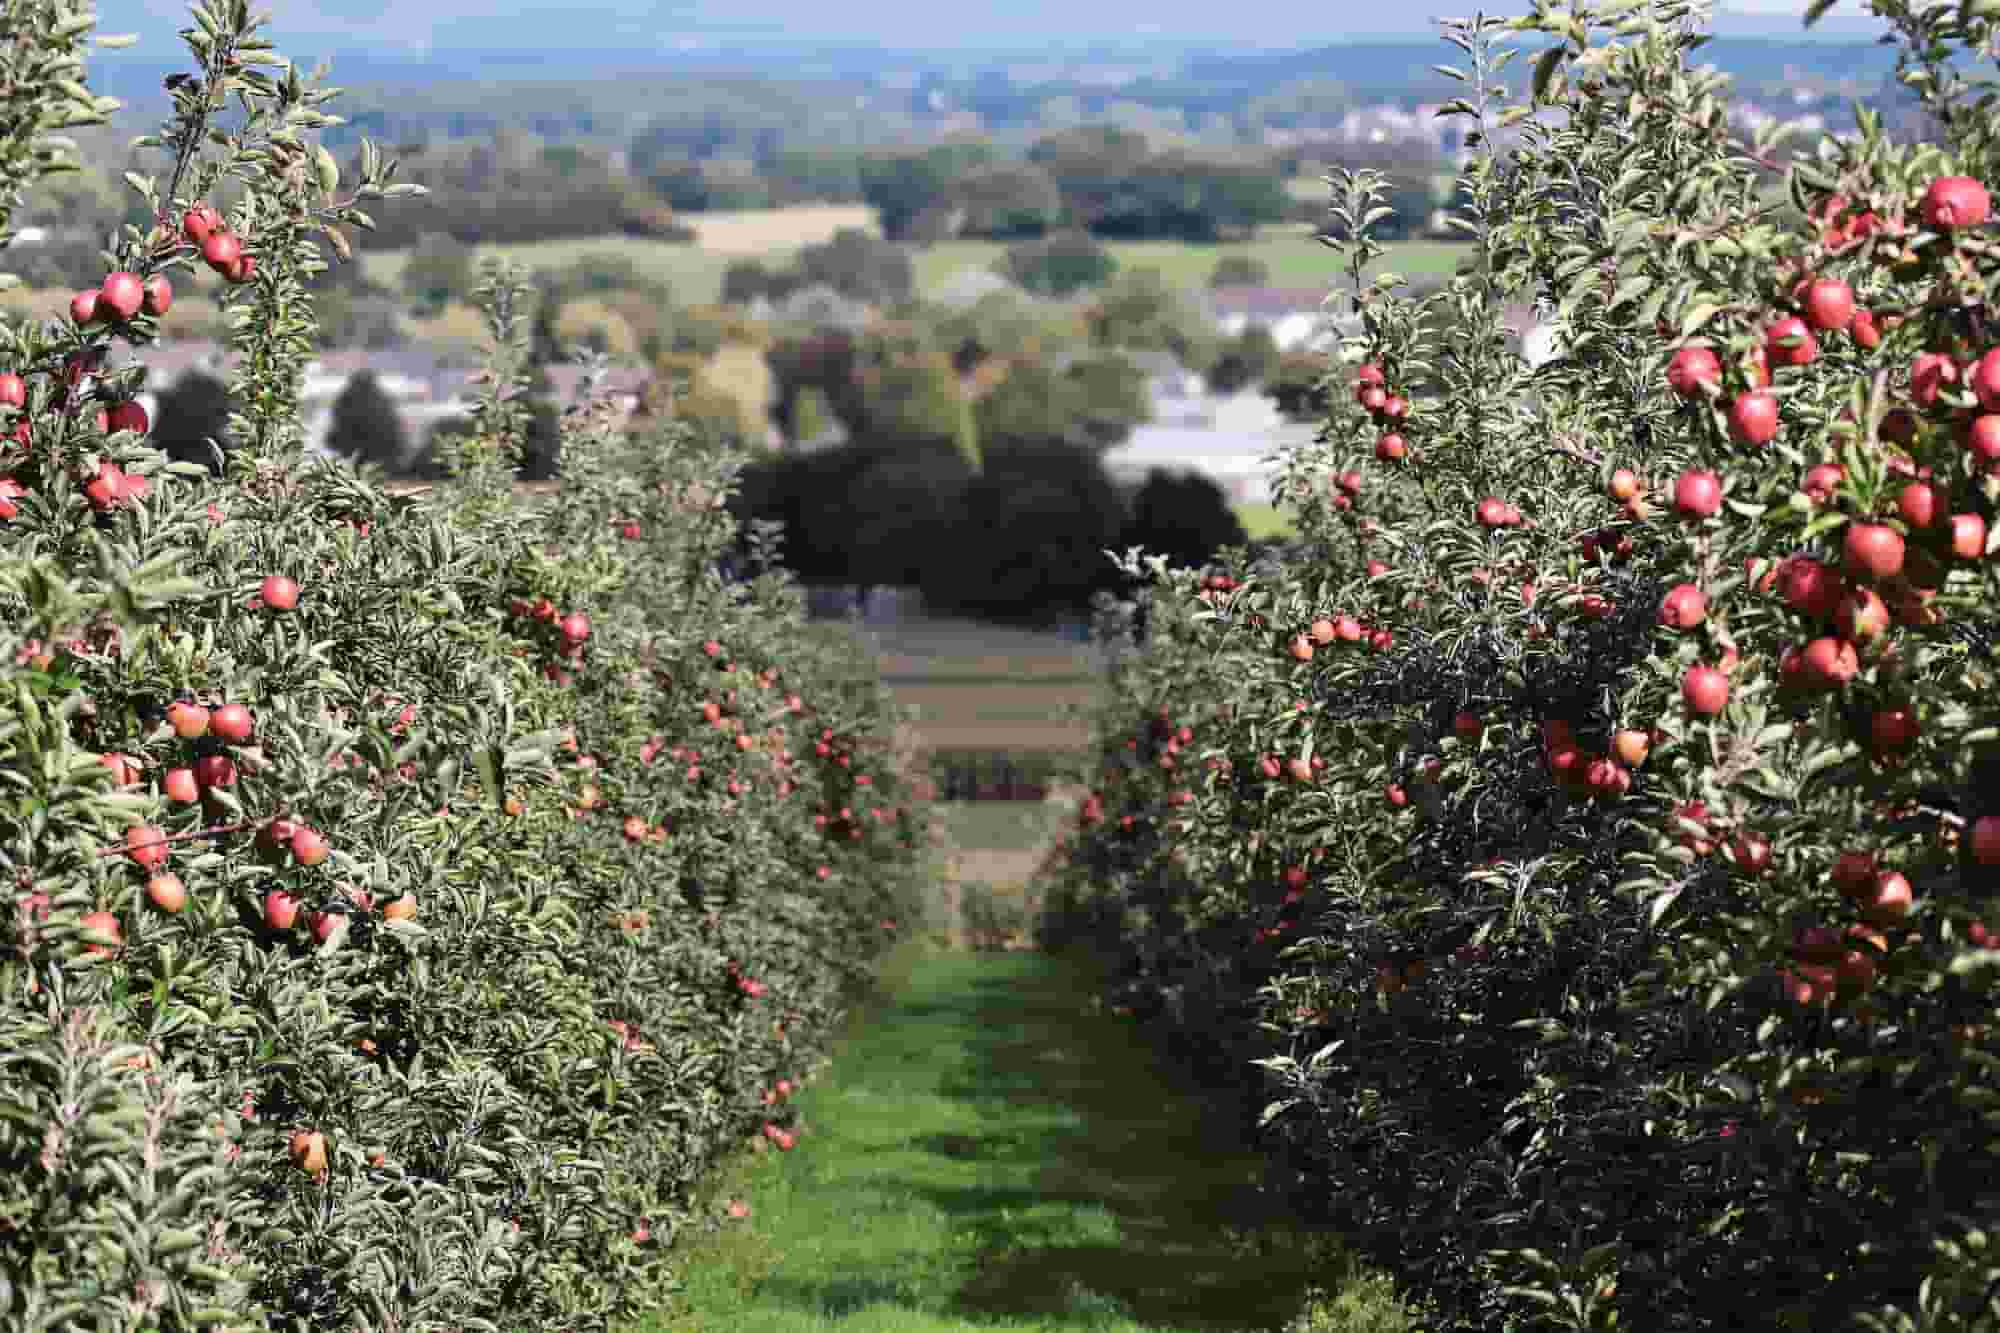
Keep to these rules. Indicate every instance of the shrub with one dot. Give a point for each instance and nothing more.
(1059, 264)
(365, 425)
(1577, 989)
(539, 849)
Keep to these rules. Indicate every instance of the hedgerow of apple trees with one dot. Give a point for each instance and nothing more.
(1580, 845)
(406, 899)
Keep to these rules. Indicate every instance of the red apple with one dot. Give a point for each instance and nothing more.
(1986, 380)
(199, 221)
(1862, 616)
(574, 627)
(147, 846)
(181, 786)
(221, 250)
(1829, 305)
(1790, 342)
(1889, 900)
(1866, 333)
(1698, 494)
(1691, 368)
(189, 720)
(1391, 448)
(1753, 418)
(1810, 588)
(1830, 663)
(1853, 872)
(1982, 437)
(159, 295)
(1705, 690)
(309, 1151)
(1684, 607)
(1984, 842)
(104, 926)
(281, 909)
(1751, 852)
(403, 908)
(1873, 550)
(83, 307)
(1930, 373)
(215, 770)
(166, 892)
(233, 723)
(308, 847)
(13, 390)
(279, 592)
(121, 295)
(128, 415)
(1920, 504)
(1822, 481)
(1956, 201)
(1968, 536)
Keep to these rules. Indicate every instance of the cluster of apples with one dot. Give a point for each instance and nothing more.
(1327, 631)
(221, 249)
(571, 632)
(1388, 408)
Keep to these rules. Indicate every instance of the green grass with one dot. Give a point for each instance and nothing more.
(989, 1153)
(1262, 521)
(1013, 826)
(1294, 258)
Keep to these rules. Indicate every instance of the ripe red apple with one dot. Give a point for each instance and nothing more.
(1751, 853)
(1753, 418)
(83, 307)
(199, 221)
(215, 770)
(281, 909)
(104, 926)
(13, 390)
(1350, 481)
(1872, 550)
(574, 627)
(158, 298)
(1705, 690)
(1691, 368)
(1852, 872)
(403, 908)
(1811, 588)
(147, 846)
(1391, 448)
(1889, 900)
(1956, 201)
(1968, 536)
(1830, 663)
(128, 415)
(1302, 647)
(189, 720)
(233, 723)
(1930, 373)
(1984, 840)
(1829, 305)
(1982, 437)
(166, 892)
(124, 768)
(1492, 512)
(181, 786)
(1632, 746)
(1467, 726)
(121, 295)
(309, 1151)
(1866, 332)
(221, 250)
(1624, 485)
(1822, 481)
(1322, 631)
(1862, 616)
(1920, 504)
(279, 592)
(308, 847)
(1893, 730)
(1790, 342)
(1684, 607)
(1698, 494)
(1986, 380)
(1368, 372)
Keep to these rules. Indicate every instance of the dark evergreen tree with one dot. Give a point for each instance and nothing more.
(1185, 518)
(366, 428)
(193, 410)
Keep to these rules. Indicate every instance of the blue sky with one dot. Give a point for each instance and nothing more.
(304, 27)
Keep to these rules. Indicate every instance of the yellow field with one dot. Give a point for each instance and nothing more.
(763, 231)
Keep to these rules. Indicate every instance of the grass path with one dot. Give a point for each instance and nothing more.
(987, 1151)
